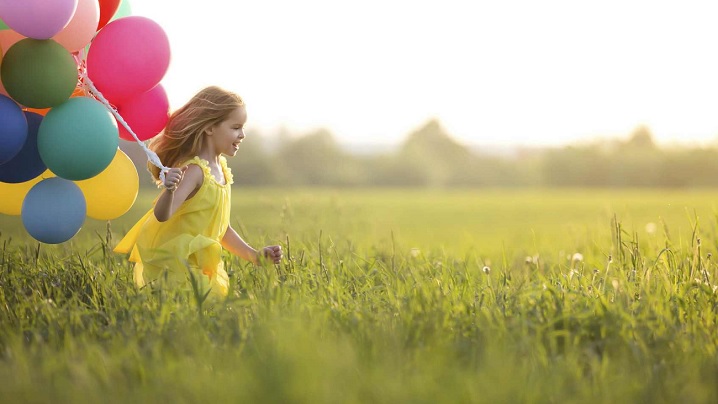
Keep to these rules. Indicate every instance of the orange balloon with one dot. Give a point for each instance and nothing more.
(8, 38)
(78, 92)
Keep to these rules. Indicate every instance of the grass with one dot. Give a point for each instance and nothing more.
(384, 296)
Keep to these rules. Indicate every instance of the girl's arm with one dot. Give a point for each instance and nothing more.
(185, 181)
(237, 246)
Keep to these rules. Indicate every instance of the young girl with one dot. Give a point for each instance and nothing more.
(183, 235)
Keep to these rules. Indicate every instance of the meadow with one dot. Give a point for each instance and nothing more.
(385, 295)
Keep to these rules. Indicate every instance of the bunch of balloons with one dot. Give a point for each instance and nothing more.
(69, 71)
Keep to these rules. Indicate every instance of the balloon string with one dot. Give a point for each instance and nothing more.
(89, 86)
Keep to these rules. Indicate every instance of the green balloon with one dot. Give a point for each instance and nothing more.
(124, 10)
(78, 139)
(38, 73)
(3, 26)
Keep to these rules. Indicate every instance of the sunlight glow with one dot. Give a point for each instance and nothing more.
(508, 72)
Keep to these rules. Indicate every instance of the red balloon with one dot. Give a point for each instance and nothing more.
(108, 8)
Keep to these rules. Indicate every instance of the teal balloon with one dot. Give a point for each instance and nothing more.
(38, 73)
(78, 139)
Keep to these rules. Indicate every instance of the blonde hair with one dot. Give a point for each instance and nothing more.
(182, 137)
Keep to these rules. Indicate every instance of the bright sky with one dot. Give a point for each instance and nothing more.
(497, 72)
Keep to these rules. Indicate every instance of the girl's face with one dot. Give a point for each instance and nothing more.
(225, 137)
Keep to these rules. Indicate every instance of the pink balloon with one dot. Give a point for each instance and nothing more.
(128, 57)
(82, 27)
(146, 114)
(39, 19)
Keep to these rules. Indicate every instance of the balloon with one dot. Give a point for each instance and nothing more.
(78, 138)
(108, 8)
(146, 114)
(78, 92)
(8, 38)
(38, 74)
(82, 26)
(128, 57)
(54, 210)
(13, 194)
(27, 164)
(39, 19)
(111, 193)
(13, 130)
(125, 10)
(3, 26)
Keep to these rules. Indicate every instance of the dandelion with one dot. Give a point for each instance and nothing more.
(651, 228)
(487, 270)
(529, 260)
(415, 252)
(577, 257)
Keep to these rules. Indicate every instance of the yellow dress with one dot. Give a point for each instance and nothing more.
(188, 242)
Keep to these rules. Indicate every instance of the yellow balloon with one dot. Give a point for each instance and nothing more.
(14, 194)
(111, 193)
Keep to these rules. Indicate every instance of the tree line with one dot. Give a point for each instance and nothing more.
(430, 157)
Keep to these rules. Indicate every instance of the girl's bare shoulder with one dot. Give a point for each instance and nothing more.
(194, 174)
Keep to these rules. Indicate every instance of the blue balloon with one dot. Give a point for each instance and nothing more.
(13, 129)
(54, 210)
(27, 164)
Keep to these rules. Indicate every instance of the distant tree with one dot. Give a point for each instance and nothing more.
(641, 138)
(317, 159)
(396, 170)
(432, 147)
(574, 166)
(431, 140)
(253, 165)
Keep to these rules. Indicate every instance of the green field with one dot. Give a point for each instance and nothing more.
(384, 296)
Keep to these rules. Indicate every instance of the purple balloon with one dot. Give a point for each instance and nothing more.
(27, 164)
(13, 129)
(39, 19)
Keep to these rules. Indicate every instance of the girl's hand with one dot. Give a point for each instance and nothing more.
(272, 253)
(173, 177)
